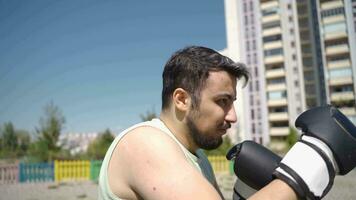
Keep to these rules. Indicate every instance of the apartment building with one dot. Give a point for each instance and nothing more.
(338, 41)
(243, 46)
(282, 44)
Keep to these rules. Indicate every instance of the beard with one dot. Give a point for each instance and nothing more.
(204, 141)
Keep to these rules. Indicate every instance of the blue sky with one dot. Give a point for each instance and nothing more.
(100, 62)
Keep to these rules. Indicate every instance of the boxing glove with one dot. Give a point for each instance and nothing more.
(326, 148)
(253, 166)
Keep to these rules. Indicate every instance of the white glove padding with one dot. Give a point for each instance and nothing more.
(309, 168)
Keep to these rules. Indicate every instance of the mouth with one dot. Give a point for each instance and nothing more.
(223, 129)
(226, 126)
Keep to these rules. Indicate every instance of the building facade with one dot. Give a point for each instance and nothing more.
(337, 27)
(299, 54)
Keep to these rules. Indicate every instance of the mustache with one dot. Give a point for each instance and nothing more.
(225, 126)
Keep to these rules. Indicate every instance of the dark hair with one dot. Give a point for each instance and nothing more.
(189, 68)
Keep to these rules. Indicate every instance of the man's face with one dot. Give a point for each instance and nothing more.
(215, 113)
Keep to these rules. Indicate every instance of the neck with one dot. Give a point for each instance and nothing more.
(179, 129)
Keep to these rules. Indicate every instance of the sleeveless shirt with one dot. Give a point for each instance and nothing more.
(199, 160)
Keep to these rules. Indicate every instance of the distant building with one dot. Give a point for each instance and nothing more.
(77, 142)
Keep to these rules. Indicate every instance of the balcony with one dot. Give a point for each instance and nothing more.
(340, 96)
(271, 18)
(275, 73)
(277, 102)
(283, 116)
(334, 19)
(331, 4)
(280, 131)
(273, 45)
(273, 59)
(335, 35)
(339, 64)
(276, 87)
(269, 4)
(337, 49)
(271, 31)
(340, 81)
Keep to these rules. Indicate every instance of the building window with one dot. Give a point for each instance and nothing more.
(294, 57)
(276, 95)
(254, 44)
(271, 24)
(256, 72)
(295, 69)
(245, 7)
(272, 52)
(272, 38)
(250, 86)
(331, 12)
(255, 58)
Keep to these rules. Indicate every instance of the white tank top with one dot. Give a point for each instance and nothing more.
(199, 161)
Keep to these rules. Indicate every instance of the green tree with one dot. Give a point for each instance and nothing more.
(46, 148)
(292, 137)
(14, 143)
(8, 141)
(97, 148)
(149, 115)
(9, 138)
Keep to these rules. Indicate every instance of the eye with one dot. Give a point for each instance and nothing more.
(223, 102)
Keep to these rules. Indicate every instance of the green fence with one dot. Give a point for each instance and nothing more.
(95, 169)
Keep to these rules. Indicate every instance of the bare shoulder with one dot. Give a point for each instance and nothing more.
(147, 139)
(155, 167)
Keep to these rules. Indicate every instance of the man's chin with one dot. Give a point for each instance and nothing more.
(211, 146)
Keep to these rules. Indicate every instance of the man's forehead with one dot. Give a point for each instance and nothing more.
(221, 83)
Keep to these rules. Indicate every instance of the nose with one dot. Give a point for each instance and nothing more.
(231, 115)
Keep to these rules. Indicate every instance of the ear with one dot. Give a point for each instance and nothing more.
(181, 99)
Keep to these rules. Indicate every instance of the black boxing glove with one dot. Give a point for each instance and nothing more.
(253, 166)
(326, 148)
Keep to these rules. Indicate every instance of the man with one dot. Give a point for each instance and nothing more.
(162, 158)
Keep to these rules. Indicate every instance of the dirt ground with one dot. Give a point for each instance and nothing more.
(344, 188)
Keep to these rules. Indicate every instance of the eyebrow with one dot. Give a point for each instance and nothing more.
(227, 95)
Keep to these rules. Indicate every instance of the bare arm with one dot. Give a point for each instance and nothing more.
(276, 190)
(156, 168)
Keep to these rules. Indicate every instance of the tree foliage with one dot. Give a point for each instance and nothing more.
(9, 138)
(97, 148)
(149, 115)
(46, 148)
(292, 137)
(14, 143)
